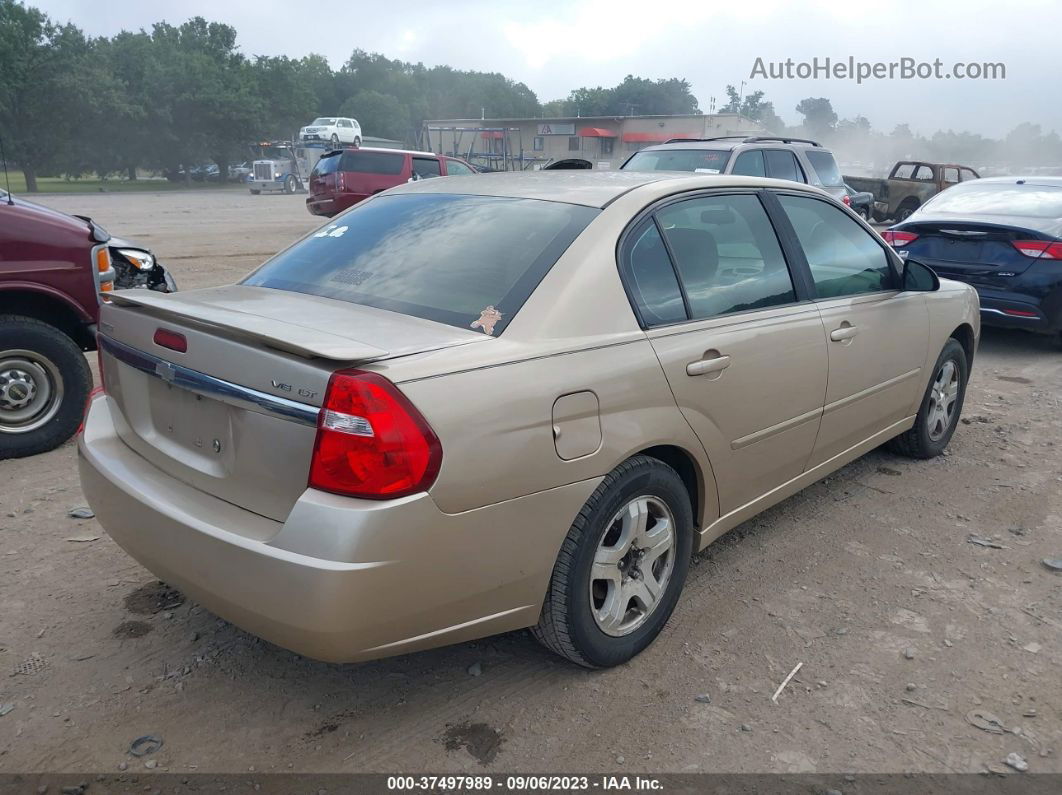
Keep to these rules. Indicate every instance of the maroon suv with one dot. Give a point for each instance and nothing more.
(344, 177)
(54, 271)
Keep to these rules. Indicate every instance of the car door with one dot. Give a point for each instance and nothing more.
(877, 335)
(741, 347)
(345, 130)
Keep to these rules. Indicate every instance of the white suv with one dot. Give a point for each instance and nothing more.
(334, 130)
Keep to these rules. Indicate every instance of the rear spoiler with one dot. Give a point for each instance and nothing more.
(273, 333)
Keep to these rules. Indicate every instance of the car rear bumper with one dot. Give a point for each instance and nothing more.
(341, 579)
(321, 206)
(1015, 310)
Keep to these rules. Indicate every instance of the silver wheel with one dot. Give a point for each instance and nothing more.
(31, 391)
(632, 566)
(943, 397)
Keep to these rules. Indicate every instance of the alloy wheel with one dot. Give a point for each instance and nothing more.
(943, 398)
(632, 566)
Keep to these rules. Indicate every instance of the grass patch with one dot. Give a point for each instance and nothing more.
(113, 185)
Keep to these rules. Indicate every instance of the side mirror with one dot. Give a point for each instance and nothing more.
(918, 277)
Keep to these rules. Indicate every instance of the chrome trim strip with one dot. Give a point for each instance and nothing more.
(1012, 317)
(209, 386)
(785, 425)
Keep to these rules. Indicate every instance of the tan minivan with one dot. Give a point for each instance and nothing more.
(472, 405)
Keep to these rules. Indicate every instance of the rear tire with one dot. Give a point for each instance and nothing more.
(939, 413)
(906, 209)
(44, 385)
(632, 539)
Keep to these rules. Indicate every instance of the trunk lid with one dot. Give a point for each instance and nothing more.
(235, 414)
(976, 252)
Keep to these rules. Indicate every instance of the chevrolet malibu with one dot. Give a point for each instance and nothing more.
(473, 405)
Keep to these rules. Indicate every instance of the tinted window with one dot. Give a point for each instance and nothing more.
(782, 164)
(750, 164)
(710, 161)
(326, 165)
(456, 168)
(436, 256)
(999, 198)
(727, 255)
(844, 258)
(362, 162)
(826, 167)
(425, 167)
(651, 280)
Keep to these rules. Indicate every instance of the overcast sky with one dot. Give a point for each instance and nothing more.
(556, 45)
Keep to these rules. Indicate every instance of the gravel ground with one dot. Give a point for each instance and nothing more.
(921, 651)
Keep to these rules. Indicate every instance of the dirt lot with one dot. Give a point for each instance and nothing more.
(904, 627)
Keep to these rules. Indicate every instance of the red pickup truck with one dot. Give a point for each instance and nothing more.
(55, 269)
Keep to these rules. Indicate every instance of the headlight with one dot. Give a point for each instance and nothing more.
(277, 175)
(141, 260)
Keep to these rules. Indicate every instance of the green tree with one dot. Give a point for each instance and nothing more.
(819, 116)
(378, 114)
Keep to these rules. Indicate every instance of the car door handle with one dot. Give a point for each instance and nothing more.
(706, 366)
(843, 333)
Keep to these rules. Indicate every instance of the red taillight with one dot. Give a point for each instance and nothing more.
(897, 238)
(1020, 313)
(847, 200)
(1039, 249)
(171, 339)
(371, 441)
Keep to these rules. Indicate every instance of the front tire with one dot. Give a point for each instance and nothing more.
(941, 406)
(621, 567)
(357, 141)
(44, 385)
(334, 141)
(290, 185)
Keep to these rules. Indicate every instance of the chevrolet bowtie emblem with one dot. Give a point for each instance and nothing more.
(166, 371)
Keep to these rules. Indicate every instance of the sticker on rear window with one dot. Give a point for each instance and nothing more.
(707, 170)
(331, 231)
(488, 319)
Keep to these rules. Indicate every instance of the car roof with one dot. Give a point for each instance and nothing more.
(730, 144)
(331, 152)
(1046, 182)
(588, 188)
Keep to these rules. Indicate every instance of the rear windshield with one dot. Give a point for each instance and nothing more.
(826, 167)
(999, 198)
(448, 258)
(326, 165)
(372, 162)
(706, 161)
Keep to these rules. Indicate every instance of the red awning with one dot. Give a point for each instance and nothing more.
(596, 132)
(653, 137)
(492, 134)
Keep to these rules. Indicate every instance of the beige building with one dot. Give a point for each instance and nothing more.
(603, 141)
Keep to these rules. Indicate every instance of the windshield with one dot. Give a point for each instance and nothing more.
(999, 198)
(705, 161)
(448, 258)
(323, 122)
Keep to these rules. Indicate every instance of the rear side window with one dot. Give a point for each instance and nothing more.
(705, 161)
(326, 165)
(826, 167)
(750, 164)
(425, 167)
(651, 279)
(782, 164)
(362, 162)
(727, 255)
(448, 258)
(843, 256)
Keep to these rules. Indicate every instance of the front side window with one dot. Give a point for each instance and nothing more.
(844, 258)
(441, 257)
(704, 161)
(344, 123)
(727, 255)
(904, 171)
(456, 168)
(924, 173)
